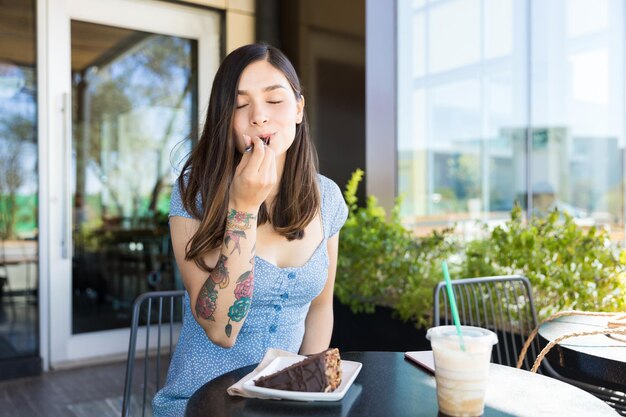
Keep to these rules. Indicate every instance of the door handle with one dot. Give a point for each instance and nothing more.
(66, 221)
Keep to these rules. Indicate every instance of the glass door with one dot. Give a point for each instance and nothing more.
(19, 248)
(132, 80)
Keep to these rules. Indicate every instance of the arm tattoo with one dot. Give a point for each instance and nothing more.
(243, 298)
(219, 275)
(234, 236)
(207, 299)
(239, 220)
(236, 224)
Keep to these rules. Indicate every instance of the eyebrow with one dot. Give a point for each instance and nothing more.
(266, 89)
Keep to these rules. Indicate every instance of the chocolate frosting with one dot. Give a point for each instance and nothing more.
(309, 375)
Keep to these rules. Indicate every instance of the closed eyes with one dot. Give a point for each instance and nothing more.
(241, 106)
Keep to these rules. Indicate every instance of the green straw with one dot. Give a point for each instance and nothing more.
(455, 311)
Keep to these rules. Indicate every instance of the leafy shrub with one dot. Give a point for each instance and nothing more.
(569, 267)
(381, 263)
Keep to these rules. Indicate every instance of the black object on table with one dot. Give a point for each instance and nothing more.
(598, 359)
(391, 386)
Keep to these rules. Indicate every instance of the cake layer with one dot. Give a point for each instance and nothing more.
(320, 372)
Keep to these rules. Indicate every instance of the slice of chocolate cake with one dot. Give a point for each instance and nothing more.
(320, 372)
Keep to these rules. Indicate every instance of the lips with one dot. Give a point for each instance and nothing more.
(266, 138)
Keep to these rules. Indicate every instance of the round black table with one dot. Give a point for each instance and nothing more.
(391, 386)
(598, 359)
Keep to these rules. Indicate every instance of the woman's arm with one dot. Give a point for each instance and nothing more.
(220, 300)
(319, 320)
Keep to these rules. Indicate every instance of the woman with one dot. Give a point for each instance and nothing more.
(254, 229)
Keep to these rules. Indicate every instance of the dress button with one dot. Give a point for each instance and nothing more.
(291, 275)
(273, 328)
(277, 307)
(284, 296)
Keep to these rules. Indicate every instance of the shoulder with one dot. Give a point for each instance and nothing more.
(334, 208)
(329, 189)
(177, 207)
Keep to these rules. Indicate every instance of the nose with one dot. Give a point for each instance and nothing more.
(259, 116)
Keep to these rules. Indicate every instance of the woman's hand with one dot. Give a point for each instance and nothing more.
(254, 178)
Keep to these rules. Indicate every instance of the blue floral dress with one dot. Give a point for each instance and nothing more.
(276, 319)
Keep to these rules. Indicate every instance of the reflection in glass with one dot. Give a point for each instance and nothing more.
(529, 109)
(134, 105)
(18, 183)
(577, 101)
(464, 40)
(460, 155)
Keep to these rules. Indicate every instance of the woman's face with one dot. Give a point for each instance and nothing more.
(266, 107)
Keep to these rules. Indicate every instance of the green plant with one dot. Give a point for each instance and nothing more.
(568, 267)
(381, 263)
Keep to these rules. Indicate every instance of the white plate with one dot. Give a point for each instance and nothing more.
(349, 370)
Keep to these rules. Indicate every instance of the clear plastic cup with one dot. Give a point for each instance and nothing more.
(461, 376)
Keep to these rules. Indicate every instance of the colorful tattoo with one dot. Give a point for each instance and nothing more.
(235, 236)
(245, 284)
(239, 309)
(236, 224)
(239, 220)
(219, 275)
(243, 295)
(207, 301)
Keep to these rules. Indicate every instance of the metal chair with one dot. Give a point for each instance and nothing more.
(159, 313)
(504, 304)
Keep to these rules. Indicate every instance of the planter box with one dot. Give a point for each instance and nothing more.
(379, 331)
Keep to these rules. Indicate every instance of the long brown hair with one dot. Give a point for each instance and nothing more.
(208, 173)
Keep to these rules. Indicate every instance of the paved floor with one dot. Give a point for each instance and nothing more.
(90, 391)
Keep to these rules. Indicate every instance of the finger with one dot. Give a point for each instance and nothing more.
(243, 163)
(264, 168)
(245, 158)
(257, 154)
(247, 143)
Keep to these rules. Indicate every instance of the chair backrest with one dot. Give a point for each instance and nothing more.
(153, 333)
(503, 304)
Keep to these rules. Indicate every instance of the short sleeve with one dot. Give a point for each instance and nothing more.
(176, 203)
(334, 208)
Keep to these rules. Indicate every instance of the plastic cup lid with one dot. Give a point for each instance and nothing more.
(469, 332)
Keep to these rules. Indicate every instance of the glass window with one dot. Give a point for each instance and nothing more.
(461, 153)
(19, 249)
(577, 111)
(477, 99)
(134, 97)
(464, 17)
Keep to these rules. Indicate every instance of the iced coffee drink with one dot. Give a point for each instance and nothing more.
(461, 373)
